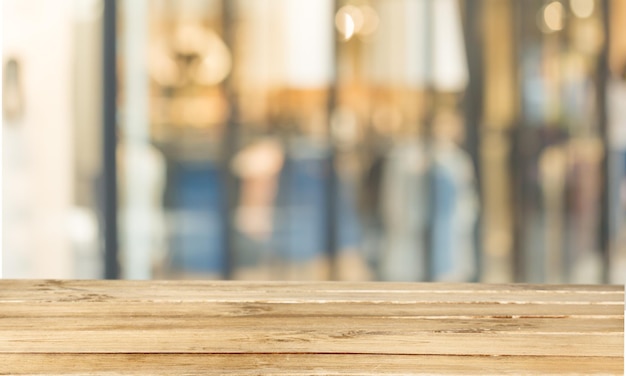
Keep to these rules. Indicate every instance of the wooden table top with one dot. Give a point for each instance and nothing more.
(298, 328)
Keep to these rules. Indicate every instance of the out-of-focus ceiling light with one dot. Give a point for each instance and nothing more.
(349, 20)
(190, 39)
(582, 8)
(211, 64)
(553, 16)
(348, 26)
(217, 61)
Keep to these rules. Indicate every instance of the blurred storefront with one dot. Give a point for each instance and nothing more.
(410, 140)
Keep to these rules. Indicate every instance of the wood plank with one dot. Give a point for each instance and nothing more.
(318, 309)
(304, 340)
(308, 328)
(194, 291)
(301, 364)
(416, 325)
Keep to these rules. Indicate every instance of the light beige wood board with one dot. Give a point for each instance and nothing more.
(301, 326)
(301, 364)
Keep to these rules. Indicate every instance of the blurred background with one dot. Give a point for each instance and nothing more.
(394, 140)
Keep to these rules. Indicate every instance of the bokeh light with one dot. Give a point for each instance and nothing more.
(582, 8)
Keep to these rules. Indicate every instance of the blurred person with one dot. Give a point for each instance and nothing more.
(257, 166)
(403, 207)
(552, 170)
(301, 229)
(429, 207)
(300, 236)
(369, 206)
(142, 214)
(352, 263)
(582, 259)
(454, 203)
(529, 149)
(195, 210)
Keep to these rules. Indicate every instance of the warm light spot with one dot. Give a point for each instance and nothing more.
(349, 20)
(349, 26)
(553, 16)
(582, 8)
(217, 61)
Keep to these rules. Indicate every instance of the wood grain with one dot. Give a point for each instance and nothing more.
(208, 327)
(301, 364)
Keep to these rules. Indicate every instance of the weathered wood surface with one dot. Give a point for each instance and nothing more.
(291, 328)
